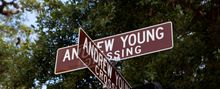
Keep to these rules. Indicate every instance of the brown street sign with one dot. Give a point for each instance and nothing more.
(122, 46)
(100, 65)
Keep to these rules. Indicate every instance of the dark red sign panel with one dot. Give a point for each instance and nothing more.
(118, 47)
(99, 65)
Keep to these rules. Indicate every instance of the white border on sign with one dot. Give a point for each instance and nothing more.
(55, 72)
(151, 51)
(80, 29)
(117, 35)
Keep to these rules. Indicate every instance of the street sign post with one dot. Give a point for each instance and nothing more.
(100, 66)
(122, 46)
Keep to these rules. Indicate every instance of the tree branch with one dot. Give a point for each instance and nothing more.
(9, 12)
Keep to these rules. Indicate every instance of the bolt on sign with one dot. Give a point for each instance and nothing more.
(122, 46)
(100, 66)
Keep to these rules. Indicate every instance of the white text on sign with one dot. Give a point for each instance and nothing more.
(131, 44)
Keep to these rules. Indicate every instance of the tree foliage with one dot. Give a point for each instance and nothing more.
(15, 51)
(193, 63)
